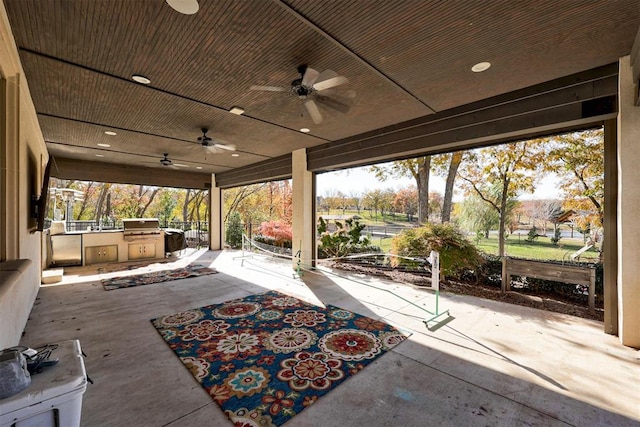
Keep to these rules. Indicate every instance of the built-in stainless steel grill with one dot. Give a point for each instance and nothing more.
(138, 229)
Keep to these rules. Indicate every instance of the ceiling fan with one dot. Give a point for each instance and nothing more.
(213, 146)
(167, 162)
(314, 86)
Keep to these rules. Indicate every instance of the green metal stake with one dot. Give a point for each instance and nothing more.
(434, 259)
(298, 266)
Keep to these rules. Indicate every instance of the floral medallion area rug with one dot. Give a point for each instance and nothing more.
(156, 277)
(264, 358)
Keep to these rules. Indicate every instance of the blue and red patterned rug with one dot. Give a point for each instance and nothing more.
(265, 358)
(156, 277)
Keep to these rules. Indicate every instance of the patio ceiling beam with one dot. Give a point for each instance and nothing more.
(65, 168)
(267, 170)
(573, 102)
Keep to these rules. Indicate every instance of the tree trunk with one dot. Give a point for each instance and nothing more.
(456, 159)
(101, 199)
(85, 200)
(107, 209)
(185, 207)
(422, 181)
(206, 207)
(143, 209)
(502, 214)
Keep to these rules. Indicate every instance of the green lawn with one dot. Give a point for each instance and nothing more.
(383, 242)
(371, 218)
(541, 248)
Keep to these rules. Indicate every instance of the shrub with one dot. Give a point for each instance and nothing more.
(345, 240)
(457, 254)
(234, 230)
(279, 231)
(271, 241)
(532, 234)
(557, 235)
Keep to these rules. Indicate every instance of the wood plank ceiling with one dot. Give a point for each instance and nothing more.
(405, 60)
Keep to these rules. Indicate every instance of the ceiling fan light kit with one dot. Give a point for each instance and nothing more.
(165, 160)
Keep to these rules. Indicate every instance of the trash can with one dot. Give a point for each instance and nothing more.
(54, 397)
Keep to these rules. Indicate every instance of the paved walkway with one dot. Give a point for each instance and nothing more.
(492, 364)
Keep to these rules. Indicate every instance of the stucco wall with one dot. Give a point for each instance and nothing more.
(23, 154)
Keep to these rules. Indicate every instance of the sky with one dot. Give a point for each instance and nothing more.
(361, 180)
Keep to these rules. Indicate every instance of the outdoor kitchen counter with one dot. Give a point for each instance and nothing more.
(114, 246)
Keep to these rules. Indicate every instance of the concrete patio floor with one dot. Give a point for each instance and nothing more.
(492, 364)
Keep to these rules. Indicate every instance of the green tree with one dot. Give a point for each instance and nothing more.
(578, 159)
(258, 203)
(478, 216)
(418, 169)
(167, 204)
(234, 230)
(510, 168)
(372, 200)
(386, 202)
(249, 201)
(355, 198)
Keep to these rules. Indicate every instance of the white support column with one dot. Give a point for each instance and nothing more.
(303, 227)
(628, 208)
(216, 233)
(10, 167)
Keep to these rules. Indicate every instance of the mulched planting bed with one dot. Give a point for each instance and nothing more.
(542, 302)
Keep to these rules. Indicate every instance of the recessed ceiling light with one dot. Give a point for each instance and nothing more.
(141, 79)
(187, 7)
(305, 130)
(235, 155)
(110, 133)
(480, 67)
(236, 110)
(99, 155)
(104, 145)
(198, 167)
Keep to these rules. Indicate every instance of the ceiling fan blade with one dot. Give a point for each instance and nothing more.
(332, 82)
(333, 103)
(313, 110)
(269, 88)
(228, 147)
(342, 93)
(310, 77)
(326, 75)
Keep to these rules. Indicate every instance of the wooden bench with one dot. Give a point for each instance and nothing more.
(548, 271)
